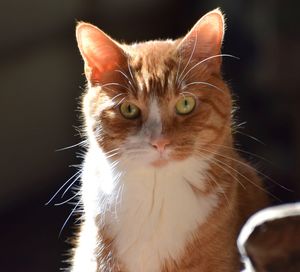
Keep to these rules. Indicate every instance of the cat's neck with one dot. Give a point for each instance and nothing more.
(150, 213)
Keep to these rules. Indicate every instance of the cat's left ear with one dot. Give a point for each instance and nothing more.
(205, 39)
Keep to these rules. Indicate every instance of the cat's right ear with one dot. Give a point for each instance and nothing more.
(100, 53)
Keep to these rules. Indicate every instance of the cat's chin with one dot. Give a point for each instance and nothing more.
(159, 163)
(166, 160)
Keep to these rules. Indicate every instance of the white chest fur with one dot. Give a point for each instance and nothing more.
(151, 213)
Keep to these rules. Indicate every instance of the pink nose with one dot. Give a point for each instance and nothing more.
(160, 143)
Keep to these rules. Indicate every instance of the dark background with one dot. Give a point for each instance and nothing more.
(41, 81)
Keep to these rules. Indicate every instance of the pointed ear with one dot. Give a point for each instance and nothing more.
(205, 39)
(100, 53)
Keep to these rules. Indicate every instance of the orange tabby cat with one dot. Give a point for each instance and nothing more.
(162, 187)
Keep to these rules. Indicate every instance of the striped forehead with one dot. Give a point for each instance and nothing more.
(154, 73)
(155, 78)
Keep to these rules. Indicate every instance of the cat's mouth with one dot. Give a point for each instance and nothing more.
(162, 159)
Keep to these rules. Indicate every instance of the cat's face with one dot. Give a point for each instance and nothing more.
(156, 102)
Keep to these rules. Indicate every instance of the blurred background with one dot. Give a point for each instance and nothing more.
(41, 81)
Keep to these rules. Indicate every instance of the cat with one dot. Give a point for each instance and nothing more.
(163, 188)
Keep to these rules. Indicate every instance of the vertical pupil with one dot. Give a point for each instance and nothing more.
(129, 108)
(185, 102)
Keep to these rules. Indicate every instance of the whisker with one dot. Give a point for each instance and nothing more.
(112, 155)
(72, 183)
(120, 102)
(66, 201)
(219, 187)
(68, 218)
(202, 61)
(244, 151)
(179, 66)
(249, 136)
(130, 71)
(188, 93)
(111, 151)
(203, 83)
(217, 163)
(241, 124)
(114, 164)
(115, 84)
(82, 143)
(122, 73)
(242, 175)
(190, 58)
(117, 201)
(78, 156)
(116, 96)
(250, 167)
(57, 192)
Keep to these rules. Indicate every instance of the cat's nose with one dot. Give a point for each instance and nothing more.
(160, 143)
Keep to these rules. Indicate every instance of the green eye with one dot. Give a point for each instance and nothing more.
(129, 110)
(185, 105)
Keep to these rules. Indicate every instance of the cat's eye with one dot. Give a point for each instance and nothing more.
(129, 110)
(185, 105)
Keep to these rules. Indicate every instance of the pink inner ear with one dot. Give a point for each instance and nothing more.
(100, 53)
(212, 28)
(207, 34)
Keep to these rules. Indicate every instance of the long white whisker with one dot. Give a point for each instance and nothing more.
(117, 201)
(111, 151)
(202, 61)
(82, 143)
(78, 173)
(243, 151)
(188, 93)
(250, 167)
(219, 187)
(120, 102)
(242, 175)
(112, 155)
(190, 58)
(66, 201)
(130, 72)
(241, 124)
(203, 83)
(249, 136)
(217, 162)
(72, 183)
(178, 68)
(118, 95)
(115, 84)
(114, 164)
(71, 213)
(122, 73)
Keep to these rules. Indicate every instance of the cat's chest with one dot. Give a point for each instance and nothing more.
(153, 214)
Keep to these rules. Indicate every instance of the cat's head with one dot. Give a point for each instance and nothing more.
(158, 101)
